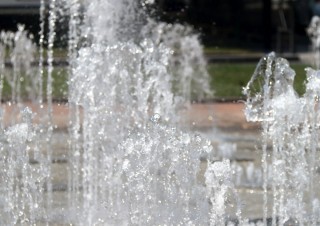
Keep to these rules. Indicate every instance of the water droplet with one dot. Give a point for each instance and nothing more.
(291, 222)
(185, 138)
(150, 2)
(125, 164)
(198, 139)
(155, 118)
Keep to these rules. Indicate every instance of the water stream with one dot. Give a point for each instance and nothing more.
(126, 158)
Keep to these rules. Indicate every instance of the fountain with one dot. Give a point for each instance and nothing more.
(128, 160)
(313, 32)
(289, 141)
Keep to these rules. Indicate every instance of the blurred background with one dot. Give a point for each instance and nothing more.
(257, 25)
(262, 25)
(235, 33)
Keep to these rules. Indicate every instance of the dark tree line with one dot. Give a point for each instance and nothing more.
(247, 23)
(241, 23)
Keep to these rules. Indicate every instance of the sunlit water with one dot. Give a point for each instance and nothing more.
(127, 158)
(129, 162)
(289, 140)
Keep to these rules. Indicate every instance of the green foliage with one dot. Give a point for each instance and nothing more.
(59, 90)
(228, 79)
(60, 84)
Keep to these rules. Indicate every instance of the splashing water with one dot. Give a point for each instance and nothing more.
(128, 161)
(313, 32)
(290, 131)
(186, 63)
(137, 163)
(21, 55)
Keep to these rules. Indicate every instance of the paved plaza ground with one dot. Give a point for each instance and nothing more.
(227, 116)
